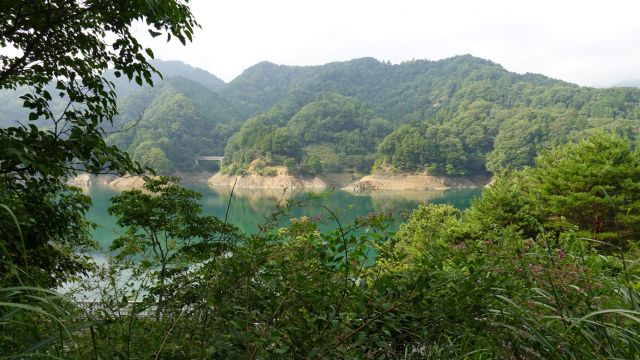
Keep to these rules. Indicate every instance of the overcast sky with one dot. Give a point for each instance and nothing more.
(594, 43)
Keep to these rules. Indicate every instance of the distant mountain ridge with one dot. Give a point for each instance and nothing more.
(377, 83)
(168, 69)
(627, 83)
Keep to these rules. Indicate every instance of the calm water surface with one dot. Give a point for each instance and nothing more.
(250, 207)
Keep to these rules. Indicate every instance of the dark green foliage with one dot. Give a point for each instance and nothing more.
(432, 148)
(544, 265)
(262, 86)
(63, 51)
(590, 187)
(502, 279)
(165, 233)
(471, 116)
(170, 124)
(499, 280)
(492, 119)
(594, 185)
(332, 133)
(50, 238)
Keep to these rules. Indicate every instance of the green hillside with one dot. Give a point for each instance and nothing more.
(166, 126)
(458, 116)
(331, 133)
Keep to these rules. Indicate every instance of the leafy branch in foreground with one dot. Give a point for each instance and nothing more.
(58, 53)
(165, 233)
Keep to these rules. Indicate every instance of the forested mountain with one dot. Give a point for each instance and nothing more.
(457, 116)
(168, 69)
(11, 108)
(164, 127)
(331, 133)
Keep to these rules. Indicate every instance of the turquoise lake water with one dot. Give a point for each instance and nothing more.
(250, 207)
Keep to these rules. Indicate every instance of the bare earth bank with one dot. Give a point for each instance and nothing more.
(85, 181)
(283, 179)
(415, 182)
(255, 181)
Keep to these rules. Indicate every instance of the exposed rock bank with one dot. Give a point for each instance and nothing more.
(82, 181)
(85, 181)
(414, 182)
(126, 183)
(256, 181)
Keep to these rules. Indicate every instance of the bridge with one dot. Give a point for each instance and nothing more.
(199, 158)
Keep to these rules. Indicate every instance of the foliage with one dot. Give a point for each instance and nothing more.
(61, 51)
(332, 133)
(169, 125)
(501, 279)
(471, 115)
(458, 116)
(592, 184)
(543, 265)
(164, 231)
(45, 232)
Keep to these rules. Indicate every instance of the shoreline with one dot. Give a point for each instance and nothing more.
(255, 181)
(354, 183)
(415, 182)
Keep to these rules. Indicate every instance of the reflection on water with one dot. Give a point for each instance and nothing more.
(250, 207)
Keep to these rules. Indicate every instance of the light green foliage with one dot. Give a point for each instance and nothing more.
(427, 229)
(502, 279)
(514, 282)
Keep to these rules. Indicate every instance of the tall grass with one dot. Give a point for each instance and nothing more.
(34, 321)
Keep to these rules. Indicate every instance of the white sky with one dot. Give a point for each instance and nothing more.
(594, 43)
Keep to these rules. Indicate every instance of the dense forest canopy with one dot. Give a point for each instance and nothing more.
(457, 116)
(331, 133)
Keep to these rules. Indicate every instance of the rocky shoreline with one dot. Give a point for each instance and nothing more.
(284, 180)
(255, 181)
(119, 183)
(415, 182)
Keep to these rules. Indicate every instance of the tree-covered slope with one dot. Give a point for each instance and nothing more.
(168, 70)
(401, 92)
(330, 133)
(484, 137)
(263, 85)
(11, 109)
(167, 126)
(457, 116)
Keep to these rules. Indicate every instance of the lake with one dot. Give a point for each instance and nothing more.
(250, 207)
